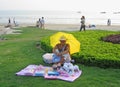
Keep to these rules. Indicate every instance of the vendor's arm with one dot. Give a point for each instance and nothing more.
(54, 49)
(57, 52)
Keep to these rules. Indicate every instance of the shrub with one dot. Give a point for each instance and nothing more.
(93, 51)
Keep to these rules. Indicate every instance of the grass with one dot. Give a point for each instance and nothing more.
(19, 51)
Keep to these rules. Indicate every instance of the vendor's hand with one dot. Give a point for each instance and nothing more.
(56, 53)
(59, 54)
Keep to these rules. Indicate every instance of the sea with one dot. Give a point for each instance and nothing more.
(58, 17)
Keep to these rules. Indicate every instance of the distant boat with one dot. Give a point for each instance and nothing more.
(103, 12)
(79, 12)
(116, 12)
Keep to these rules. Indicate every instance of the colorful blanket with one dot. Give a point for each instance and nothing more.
(48, 73)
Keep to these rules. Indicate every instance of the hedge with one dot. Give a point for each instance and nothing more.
(93, 51)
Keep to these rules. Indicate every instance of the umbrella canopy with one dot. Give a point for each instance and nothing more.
(70, 39)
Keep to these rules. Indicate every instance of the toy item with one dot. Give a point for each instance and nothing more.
(63, 73)
(39, 73)
(69, 68)
(53, 73)
(76, 68)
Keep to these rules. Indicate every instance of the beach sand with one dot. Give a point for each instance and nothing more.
(61, 27)
(8, 30)
(76, 27)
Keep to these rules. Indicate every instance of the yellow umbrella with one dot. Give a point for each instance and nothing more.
(71, 40)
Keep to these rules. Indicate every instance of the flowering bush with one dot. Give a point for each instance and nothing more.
(112, 38)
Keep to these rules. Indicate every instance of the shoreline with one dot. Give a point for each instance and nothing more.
(60, 27)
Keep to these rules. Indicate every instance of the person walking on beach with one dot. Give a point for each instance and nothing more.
(82, 23)
(42, 23)
(109, 22)
(9, 23)
(14, 22)
(37, 24)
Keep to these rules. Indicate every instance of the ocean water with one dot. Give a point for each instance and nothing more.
(59, 17)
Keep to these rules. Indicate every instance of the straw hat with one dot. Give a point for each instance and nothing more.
(63, 38)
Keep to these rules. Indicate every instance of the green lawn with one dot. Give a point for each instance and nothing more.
(19, 51)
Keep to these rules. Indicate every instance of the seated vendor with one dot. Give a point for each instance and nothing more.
(61, 52)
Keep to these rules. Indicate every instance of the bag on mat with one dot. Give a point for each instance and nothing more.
(48, 58)
(51, 58)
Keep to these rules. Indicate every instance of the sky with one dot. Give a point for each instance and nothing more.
(66, 5)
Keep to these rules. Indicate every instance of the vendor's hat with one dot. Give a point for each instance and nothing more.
(62, 38)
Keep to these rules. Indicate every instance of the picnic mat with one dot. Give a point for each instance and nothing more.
(48, 73)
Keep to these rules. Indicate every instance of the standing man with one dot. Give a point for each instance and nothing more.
(109, 22)
(42, 23)
(9, 23)
(82, 23)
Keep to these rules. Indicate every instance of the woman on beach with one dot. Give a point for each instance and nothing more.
(82, 23)
(40, 24)
(61, 52)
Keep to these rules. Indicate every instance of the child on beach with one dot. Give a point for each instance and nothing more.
(42, 23)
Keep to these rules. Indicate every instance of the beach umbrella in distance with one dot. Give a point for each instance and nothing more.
(71, 40)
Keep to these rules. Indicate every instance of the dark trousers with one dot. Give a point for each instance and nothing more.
(82, 27)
